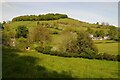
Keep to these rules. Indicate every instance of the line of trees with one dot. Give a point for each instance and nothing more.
(43, 17)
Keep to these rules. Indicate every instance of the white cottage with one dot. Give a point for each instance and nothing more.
(106, 37)
(90, 35)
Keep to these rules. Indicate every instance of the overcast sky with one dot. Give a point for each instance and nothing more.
(85, 11)
(59, 0)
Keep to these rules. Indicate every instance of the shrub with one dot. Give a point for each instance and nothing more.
(54, 53)
(55, 32)
(72, 54)
(39, 49)
(118, 57)
(99, 56)
(114, 58)
(84, 55)
(47, 49)
(106, 56)
(85, 44)
(90, 53)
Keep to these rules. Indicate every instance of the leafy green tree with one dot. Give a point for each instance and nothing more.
(89, 30)
(22, 31)
(40, 34)
(84, 43)
(113, 33)
(7, 36)
(99, 33)
(97, 23)
(96, 34)
(75, 43)
(66, 42)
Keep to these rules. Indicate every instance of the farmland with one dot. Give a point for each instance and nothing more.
(76, 53)
(38, 65)
(107, 46)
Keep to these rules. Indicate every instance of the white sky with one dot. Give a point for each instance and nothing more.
(60, 0)
(113, 20)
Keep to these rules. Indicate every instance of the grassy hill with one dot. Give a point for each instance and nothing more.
(56, 26)
(66, 23)
(32, 64)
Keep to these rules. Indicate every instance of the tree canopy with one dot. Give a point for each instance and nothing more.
(85, 43)
(22, 31)
(113, 33)
(43, 17)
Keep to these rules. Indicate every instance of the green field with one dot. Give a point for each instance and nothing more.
(32, 64)
(107, 46)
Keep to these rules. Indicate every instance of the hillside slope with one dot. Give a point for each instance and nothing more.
(32, 64)
(67, 23)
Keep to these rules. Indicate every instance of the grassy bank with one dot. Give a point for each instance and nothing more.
(32, 64)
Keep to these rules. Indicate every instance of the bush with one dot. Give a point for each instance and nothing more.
(88, 54)
(54, 53)
(65, 54)
(72, 54)
(106, 56)
(109, 57)
(85, 44)
(46, 50)
(118, 57)
(39, 49)
(55, 32)
(84, 55)
(99, 56)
